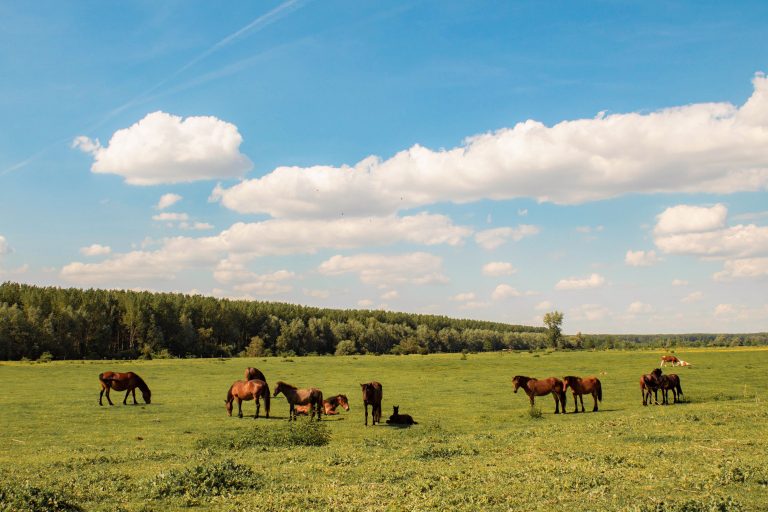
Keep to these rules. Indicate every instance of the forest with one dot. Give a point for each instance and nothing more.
(71, 323)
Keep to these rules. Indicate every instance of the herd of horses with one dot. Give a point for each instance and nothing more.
(309, 401)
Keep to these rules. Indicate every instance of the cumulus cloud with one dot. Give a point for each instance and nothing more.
(703, 232)
(589, 312)
(697, 148)
(492, 238)
(387, 269)
(4, 247)
(639, 308)
(390, 295)
(544, 306)
(692, 297)
(167, 200)
(504, 291)
(498, 268)
(170, 217)
(641, 258)
(317, 294)
(95, 250)
(266, 284)
(163, 148)
(581, 283)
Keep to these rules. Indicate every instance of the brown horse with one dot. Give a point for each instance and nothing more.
(400, 419)
(296, 396)
(540, 387)
(329, 406)
(580, 387)
(254, 373)
(247, 390)
(673, 360)
(650, 382)
(667, 383)
(372, 395)
(127, 382)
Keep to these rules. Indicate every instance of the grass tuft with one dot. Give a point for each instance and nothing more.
(29, 498)
(297, 433)
(208, 479)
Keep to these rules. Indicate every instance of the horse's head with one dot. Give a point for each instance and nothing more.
(344, 402)
(147, 395)
(517, 381)
(656, 373)
(395, 410)
(228, 405)
(278, 388)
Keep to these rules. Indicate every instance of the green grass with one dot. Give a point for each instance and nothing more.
(477, 446)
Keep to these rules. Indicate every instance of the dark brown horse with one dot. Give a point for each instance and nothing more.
(254, 373)
(247, 390)
(540, 387)
(127, 382)
(580, 387)
(667, 383)
(400, 419)
(650, 382)
(329, 406)
(372, 395)
(296, 396)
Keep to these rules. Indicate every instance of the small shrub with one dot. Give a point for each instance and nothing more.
(34, 499)
(535, 413)
(209, 479)
(45, 357)
(298, 433)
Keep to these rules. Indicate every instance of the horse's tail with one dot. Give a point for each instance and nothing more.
(267, 397)
(599, 390)
(679, 387)
(320, 407)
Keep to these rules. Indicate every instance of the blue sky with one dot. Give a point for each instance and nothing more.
(491, 160)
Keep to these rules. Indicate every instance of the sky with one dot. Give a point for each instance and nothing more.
(486, 160)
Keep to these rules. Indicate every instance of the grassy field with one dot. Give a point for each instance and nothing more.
(477, 446)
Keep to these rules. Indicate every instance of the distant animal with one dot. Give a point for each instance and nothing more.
(684, 363)
(296, 396)
(580, 387)
(127, 382)
(329, 406)
(673, 360)
(372, 395)
(241, 390)
(670, 382)
(254, 373)
(539, 387)
(400, 419)
(650, 383)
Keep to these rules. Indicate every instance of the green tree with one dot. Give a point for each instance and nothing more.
(553, 321)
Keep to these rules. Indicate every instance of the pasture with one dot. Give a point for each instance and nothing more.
(477, 446)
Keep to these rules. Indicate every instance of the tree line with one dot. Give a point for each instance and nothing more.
(72, 323)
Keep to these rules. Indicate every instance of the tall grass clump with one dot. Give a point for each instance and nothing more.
(14, 498)
(208, 479)
(297, 433)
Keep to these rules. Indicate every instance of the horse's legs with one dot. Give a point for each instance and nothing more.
(101, 395)
(594, 397)
(557, 403)
(239, 408)
(133, 392)
(581, 399)
(258, 406)
(365, 404)
(125, 400)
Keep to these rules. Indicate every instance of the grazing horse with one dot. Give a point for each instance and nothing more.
(254, 373)
(372, 395)
(581, 387)
(247, 390)
(400, 419)
(296, 396)
(127, 382)
(329, 406)
(670, 382)
(650, 382)
(539, 387)
(673, 360)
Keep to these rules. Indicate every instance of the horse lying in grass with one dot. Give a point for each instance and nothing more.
(580, 387)
(329, 406)
(127, 382)
(296, 396)
(241, 390)
(400, 419)
(539, 387)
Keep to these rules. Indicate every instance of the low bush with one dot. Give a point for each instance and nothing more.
(208, 479)
(14, 498)
(297, 433)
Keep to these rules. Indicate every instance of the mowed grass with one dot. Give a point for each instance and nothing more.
(477, 446)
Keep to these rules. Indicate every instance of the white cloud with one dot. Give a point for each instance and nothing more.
(724, 310)
(167, 200)
(498, 268)
(163, 148)
(589, 229)
(580, 283)
(748, 267)
(504, 291)
(641, 258)
(544, 306)
(493, 238)
(170, 217)
(390, 295)
(464, 297)
(639, 308)
(4, 247)
(267, 284)
(95, 250)
(690, 219)
(698, 148)
(589, 312)
(692, 297)
(679, 282)
(386, 269)
(317, 294)
(473, 305)
(196, 226)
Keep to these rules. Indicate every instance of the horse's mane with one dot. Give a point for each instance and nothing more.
(284, 384)
(142, 385)
(571, 377)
